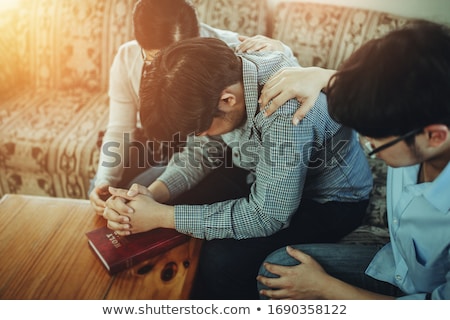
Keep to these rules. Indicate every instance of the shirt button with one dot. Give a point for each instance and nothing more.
(398, 277)
(395, 221)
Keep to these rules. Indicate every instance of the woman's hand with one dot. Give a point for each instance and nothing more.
(259, 43)
(98, 196)
(304, 84)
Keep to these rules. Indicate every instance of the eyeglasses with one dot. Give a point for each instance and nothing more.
(372, 151)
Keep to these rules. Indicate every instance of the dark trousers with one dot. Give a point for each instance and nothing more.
(228, 267)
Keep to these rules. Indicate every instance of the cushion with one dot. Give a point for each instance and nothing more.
(49, 142)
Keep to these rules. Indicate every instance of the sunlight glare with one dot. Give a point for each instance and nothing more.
(8, 4)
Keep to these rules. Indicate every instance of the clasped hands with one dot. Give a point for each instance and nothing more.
(135, 210)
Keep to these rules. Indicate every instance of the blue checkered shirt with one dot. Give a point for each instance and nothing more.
(318, 159)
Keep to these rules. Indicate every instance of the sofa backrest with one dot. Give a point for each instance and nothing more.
(325, 35)
(247, 17)
(68, 44)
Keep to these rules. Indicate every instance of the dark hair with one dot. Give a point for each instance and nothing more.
(158, 23)
(181, 89)
(396, 83)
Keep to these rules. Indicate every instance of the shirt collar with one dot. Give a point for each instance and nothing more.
(251, 89)
(438, 191)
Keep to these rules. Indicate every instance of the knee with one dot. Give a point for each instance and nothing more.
(279, 257)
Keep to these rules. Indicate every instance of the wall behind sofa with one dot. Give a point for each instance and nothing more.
(435, 10)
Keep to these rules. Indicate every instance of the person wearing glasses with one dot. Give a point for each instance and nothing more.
(393, 91)
(156, 25)
(311, 182)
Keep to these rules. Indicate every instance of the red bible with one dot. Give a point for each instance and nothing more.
(119, 253)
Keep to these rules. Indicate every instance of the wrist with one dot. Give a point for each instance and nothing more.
(326, 288)
(326, 75)
(167, 216)
(101, 183)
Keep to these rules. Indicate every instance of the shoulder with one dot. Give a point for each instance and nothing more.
(266, 58)
(317, 120)
(265, 63)
(127, 56)
(129, 48)
(229, 37)
(317, 116)
(206, 30)
(126, 68)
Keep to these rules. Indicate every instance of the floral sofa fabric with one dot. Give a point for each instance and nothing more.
(325, 35)
(53, 95)
(246, 17)
(55, 57)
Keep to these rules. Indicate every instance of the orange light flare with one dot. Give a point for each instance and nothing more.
(6, 5)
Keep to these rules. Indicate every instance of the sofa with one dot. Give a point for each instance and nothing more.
(54, 69)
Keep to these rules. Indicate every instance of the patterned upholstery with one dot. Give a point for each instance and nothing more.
(374, 228)
(49, 140)
(9, 61)
(55, 57)
(71, 44)
(247, 17)
(325, 35)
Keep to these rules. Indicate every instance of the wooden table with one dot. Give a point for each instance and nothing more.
(44, 254)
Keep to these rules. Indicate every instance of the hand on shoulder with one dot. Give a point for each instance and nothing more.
(304, 84)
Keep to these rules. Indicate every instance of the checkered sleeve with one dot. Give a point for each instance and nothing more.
(188, 167)
(275, 195)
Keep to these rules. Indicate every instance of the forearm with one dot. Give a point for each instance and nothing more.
(335, 289)
(167, 216)
(117, 138)
(240, 218)
(187, 168)
(159, 191)
(111, 163)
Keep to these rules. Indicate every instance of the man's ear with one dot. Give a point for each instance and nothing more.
(436, 134)
(227, 101)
